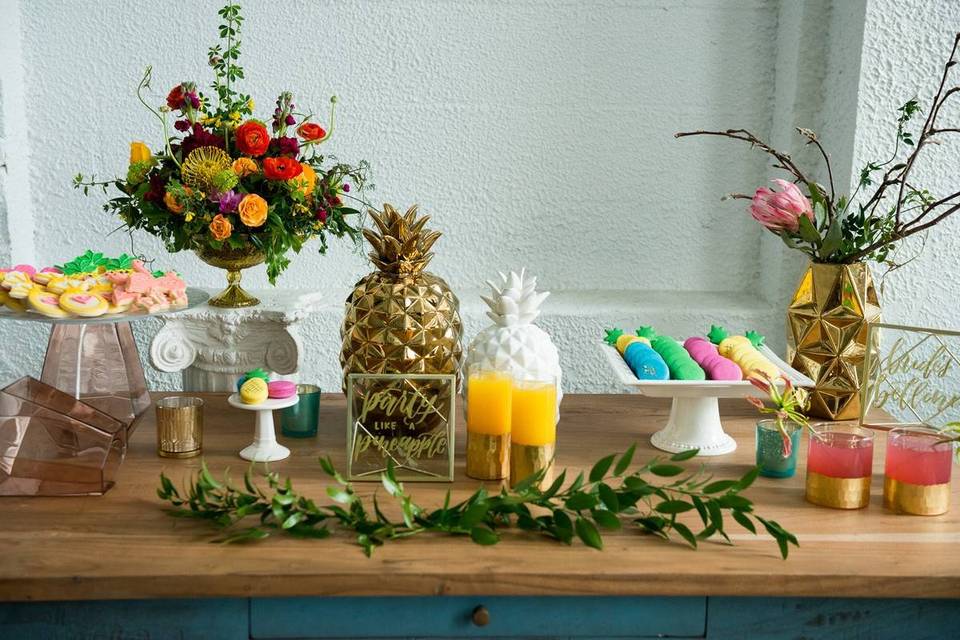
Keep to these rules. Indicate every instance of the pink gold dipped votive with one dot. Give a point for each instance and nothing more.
(179, 427)
(917, 471)
(839, 466)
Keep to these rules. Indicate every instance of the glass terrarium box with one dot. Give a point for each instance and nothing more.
(404, 419)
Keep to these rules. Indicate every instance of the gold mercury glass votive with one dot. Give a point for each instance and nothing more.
(179, 427)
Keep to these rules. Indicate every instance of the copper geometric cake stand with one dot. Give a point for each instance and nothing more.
(67, 433)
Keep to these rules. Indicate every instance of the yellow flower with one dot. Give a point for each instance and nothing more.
(244, 167)
(252, 210)
(139, 152)
(306, 181)
(250, 105)
(235, 115)
(202, 165)
(189, 217)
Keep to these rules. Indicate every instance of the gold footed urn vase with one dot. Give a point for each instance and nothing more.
(233, 260)
(827, 323)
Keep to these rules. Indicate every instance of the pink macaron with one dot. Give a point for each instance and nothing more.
(280, 389)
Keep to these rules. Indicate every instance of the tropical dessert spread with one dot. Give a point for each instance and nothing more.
(718, 356)
(89, 286)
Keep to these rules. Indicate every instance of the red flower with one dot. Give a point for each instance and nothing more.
(252, 138)
(175, 98)
(310, 131)
(281, 168)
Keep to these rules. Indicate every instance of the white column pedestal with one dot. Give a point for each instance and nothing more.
(212, 347)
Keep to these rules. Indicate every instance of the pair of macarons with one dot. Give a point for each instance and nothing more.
(255, 387)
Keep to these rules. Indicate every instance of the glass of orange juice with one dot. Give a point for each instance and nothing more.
(533, 424)
(489, 395)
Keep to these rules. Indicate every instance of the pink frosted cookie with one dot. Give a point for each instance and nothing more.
(279, 389)
(88, 305)
(716, 366)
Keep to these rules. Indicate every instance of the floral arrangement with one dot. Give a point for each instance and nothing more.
(788, 405)
(866, 225)
(226, 180)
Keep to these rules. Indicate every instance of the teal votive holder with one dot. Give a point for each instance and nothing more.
(300, 420)
(770, 445)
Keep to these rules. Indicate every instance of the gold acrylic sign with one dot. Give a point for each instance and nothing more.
(916, 378)
(404, 418)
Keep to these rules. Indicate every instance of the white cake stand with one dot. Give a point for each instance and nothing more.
(694, 421)
(265, 447)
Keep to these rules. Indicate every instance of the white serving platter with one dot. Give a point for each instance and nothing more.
(694, 421)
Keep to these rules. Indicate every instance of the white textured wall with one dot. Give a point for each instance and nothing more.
(537, 133)
(904, 50)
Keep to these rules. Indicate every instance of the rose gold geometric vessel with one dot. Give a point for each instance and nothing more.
(98, 363)
(54, 445)
(827, 324)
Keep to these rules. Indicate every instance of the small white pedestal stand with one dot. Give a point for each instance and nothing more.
(265, 447)
(694, 421)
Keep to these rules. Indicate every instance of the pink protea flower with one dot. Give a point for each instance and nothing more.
(781, 210)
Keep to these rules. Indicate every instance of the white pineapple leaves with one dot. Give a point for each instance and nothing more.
(514, 301)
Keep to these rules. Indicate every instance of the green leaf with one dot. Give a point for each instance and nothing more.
(684, 455)
(719, 485)
(474, 514)
(744, 521)
(563, 525)
(666, 470)
(579, 501)
(747, 479)
(292, 520)
(339, 495)
(624, 462)
(484, 536)
(808, 232)
(833, 239)
(733, 501)
(606, 519)
(701, 509)
(555, 486)
(685, 533)
(608, 497)
(390, 483)
(327, 465)
(587, 532)
(529, 481)
(673, 506)
(600, 469)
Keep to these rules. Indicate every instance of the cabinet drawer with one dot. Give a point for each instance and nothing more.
(519, 616)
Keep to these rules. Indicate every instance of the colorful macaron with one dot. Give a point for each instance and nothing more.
(280, 389)
(253, 391)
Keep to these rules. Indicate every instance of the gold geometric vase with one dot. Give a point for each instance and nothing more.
(827, 324)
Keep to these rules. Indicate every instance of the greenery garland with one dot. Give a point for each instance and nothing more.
(605, 499)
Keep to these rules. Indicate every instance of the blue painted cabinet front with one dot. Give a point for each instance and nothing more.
(714, 618)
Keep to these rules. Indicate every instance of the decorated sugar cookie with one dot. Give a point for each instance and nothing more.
(46, 303)
(11, 303)
(87, 305)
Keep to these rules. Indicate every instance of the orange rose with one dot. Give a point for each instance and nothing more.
(174, 205)
(306, 181)
(252, 210)
(244, 167)
(220, 228)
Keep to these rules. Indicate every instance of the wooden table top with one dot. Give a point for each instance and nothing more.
(122, 544)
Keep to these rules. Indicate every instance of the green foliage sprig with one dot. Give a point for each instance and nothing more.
(607, 498)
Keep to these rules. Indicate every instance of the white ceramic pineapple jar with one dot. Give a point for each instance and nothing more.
(513, 343)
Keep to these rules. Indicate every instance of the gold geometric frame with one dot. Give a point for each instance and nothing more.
(877, 381)
(404, 468)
